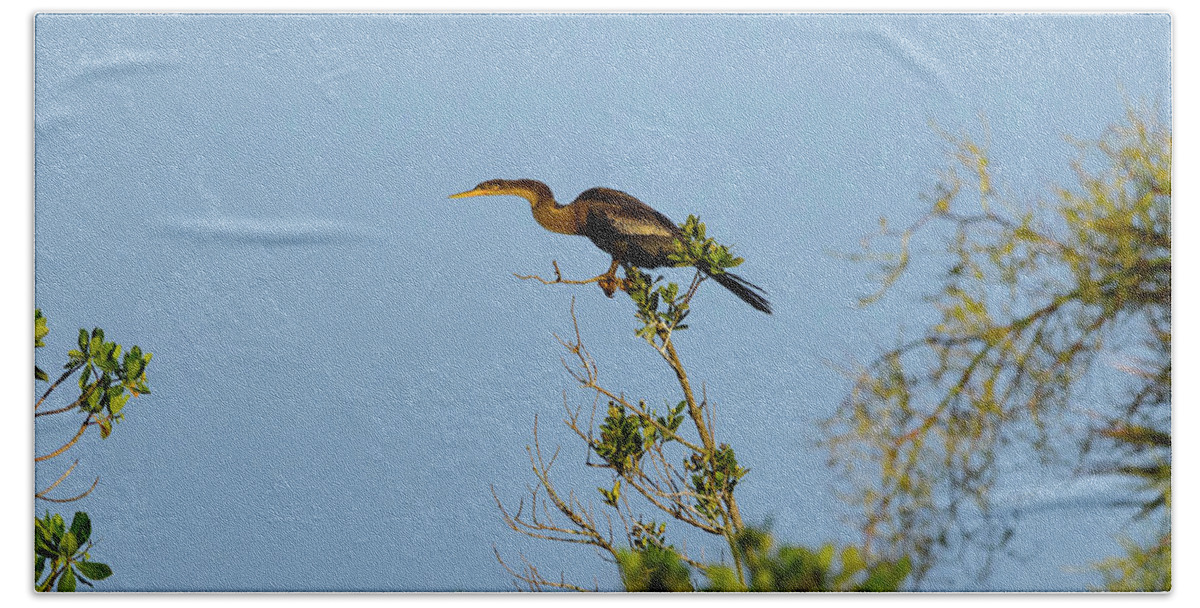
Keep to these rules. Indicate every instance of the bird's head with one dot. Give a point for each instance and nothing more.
(529, 189)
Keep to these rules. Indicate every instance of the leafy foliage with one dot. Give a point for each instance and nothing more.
(697, 249)
(1032, 299)
(623, 439)
(64, 551)
(651, 298)
(794, 568)
(108, 377)
(39, 331)
(714, 475)
(662, 307)
(653, 568)
(1140, 569)
(787, 569)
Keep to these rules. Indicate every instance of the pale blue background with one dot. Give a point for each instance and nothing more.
(343, 360)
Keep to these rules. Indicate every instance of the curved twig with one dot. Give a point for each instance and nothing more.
(74, 404)
(41, 496)
(67, 446)
(59, 480)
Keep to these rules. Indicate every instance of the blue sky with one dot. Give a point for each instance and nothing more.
(344, 362)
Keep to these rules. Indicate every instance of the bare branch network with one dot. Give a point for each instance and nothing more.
(550, 514)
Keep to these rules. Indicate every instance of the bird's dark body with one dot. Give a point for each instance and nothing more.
(631, 231)
(634, 234)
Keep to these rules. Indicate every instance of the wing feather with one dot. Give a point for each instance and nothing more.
(627, 228)
(626, 214)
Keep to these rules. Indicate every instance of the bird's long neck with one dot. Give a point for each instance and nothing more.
(551, 215)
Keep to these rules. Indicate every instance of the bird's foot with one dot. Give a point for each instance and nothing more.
(610, 283)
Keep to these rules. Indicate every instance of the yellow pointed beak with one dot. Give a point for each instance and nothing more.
(469, 193)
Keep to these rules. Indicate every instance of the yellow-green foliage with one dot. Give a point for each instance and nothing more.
(1030, 296)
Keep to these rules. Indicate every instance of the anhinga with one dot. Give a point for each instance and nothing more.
(629, 230)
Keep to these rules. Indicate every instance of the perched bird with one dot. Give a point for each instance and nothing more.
(629, 230)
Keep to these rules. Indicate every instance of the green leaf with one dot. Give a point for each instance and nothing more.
(108, 364)
(133, 366)
(83, 340)
(93, 400)
(39, 328)
(94, 570)
(722, 578)
(116, 404)
(67, 581)
(81, 527)
(38, 374)
(653, 569)
(39, 566)
(43, 536)
(825, 557)
(852, 561)
(612, 496)
(68, 546)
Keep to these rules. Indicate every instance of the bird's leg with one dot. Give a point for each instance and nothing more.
(609, 281)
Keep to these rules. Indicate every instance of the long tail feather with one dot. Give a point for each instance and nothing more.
(749, 292)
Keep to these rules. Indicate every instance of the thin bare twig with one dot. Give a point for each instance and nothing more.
(42, 495)
(67, 446)
(534, 579)
(558, 278)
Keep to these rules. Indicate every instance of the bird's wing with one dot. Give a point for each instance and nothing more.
(617, 212)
